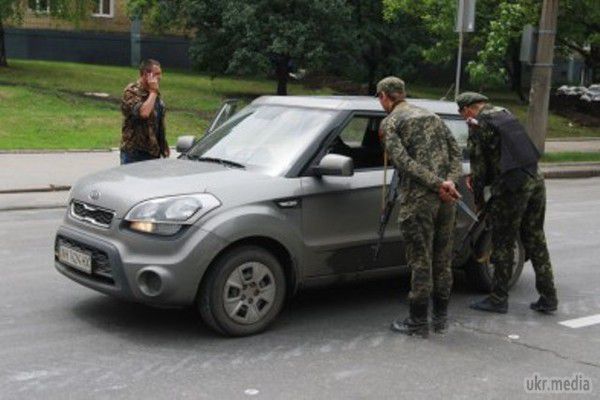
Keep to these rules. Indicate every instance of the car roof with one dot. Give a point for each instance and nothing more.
(352, 103)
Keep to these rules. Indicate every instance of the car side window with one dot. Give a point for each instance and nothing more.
(354, 132)
(460, 131)
(359, 140)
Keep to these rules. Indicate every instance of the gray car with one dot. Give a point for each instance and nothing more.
(282, 195)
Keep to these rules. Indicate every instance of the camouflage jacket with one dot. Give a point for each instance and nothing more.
(484, 152)
(422, 148)
(147, 135)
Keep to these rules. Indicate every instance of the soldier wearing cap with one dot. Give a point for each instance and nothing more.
(428, 158)
(504, 158)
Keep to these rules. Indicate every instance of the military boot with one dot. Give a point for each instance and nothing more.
(416, 323)
(545, 304)
(439, 319)
(490, 305)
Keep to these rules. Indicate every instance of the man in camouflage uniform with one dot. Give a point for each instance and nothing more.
(518, 203)
(428, 158)
(143, 132)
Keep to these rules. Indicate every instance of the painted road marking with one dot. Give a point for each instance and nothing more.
(582, 322)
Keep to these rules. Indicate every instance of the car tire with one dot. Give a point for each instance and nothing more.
(480, 275)
(243, 292)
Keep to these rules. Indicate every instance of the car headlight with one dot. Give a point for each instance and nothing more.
(167, 215)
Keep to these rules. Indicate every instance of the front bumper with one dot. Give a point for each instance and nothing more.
(139, 267)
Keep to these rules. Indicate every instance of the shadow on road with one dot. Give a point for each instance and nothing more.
(372, 302)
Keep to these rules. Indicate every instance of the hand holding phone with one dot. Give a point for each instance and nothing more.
(152, 82)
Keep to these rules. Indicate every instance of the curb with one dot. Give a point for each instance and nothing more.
(59, 151)
(56, 151)
(48, 189)
(592, 171)
(34, 208)
(571, 174)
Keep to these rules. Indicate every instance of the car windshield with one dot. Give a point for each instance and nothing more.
(268, 137)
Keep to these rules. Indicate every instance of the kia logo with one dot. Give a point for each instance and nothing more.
(94, 195)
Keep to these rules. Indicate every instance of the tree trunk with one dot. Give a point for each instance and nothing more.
(515, 72)
(3, 62)
(372, 63)
(282, 73)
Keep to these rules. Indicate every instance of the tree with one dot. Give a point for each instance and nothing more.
(496, 50)
(579, 31)
(257, 36)
(14, 10)
(10, 10)
(496, 42)
(385, 47)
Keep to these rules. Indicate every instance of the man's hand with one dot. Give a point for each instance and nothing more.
(448, 192)
(167, 152)
(469, 182)
(152, 82)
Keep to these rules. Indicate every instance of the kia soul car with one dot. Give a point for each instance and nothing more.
(281, 195)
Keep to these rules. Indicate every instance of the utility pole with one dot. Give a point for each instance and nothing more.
(136, 41)
(541, 80)
(465, 22)
(459, 25)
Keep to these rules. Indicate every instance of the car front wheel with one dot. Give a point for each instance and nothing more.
(243, 292)
(481, 275)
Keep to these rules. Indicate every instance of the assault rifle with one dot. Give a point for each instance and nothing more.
(386, 211)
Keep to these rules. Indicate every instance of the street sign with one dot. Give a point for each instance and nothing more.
(465, 17)
(528, 45)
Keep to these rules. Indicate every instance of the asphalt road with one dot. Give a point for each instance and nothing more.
(59, 340)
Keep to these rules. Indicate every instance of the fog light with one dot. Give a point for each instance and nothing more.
(150, 283)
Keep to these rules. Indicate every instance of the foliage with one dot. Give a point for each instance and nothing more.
(499, 25)
(14, 10)
(384, 47)
(257, 36)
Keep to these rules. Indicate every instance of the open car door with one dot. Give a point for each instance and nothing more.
(228, 108)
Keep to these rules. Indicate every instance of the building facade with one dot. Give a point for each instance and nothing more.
(107, 36)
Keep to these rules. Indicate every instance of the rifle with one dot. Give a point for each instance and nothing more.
(388, 202)
(463, 206)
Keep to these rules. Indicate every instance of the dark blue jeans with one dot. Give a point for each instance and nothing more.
(128, 157)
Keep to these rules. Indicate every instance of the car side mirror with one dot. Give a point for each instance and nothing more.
(334, 165)
(184, 143)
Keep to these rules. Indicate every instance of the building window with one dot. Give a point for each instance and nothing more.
(104, 8)
(39, 6)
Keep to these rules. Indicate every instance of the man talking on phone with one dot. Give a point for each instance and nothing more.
(143, 133)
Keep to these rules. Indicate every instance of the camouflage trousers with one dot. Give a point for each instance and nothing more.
(427, 227)
(521, 212)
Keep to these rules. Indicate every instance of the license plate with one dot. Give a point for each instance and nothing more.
(76, 259)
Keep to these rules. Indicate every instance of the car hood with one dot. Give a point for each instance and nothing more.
(120, 188)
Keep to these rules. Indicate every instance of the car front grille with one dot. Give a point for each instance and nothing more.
(91, 214)
(101, 267)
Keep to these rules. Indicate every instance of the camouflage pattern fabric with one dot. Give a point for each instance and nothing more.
(427, 227)
(141, 134)
(484, 153)
(512, 213)
(423, 149)
(515, 213)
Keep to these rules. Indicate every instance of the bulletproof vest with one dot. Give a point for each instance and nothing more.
(518, 155)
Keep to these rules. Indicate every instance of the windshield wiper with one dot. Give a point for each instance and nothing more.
(217, 160)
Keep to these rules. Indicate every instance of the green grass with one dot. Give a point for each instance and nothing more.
(42, 105)
(571, 157)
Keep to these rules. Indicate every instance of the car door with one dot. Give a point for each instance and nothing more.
(340, 215)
